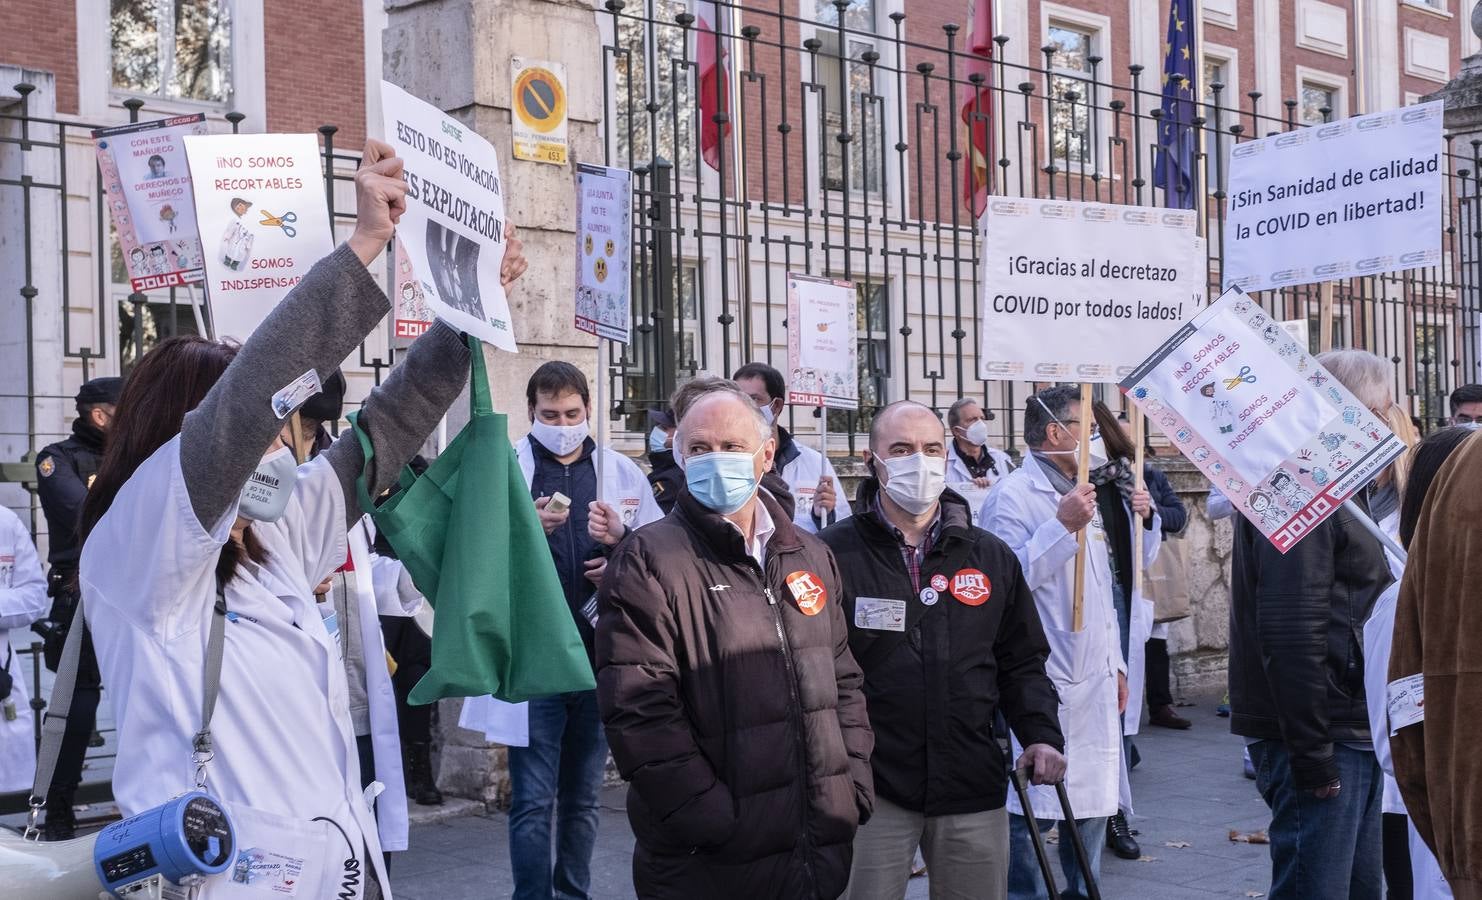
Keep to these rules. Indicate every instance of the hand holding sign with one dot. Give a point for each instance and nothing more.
(380, 199)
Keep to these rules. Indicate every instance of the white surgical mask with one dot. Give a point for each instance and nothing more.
(560, 439)
(658, 440)
(916, 481)
(265, 495)
(1098, 446)
(767, 414)
(977, 433)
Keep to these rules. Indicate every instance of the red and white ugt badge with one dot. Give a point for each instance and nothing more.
(971, 586)
(807, 589)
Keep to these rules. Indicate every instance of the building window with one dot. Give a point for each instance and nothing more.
(872, 323)
(851, 106)
(1070, 94)
(1315, 99)
(172, 49)
(646, 65)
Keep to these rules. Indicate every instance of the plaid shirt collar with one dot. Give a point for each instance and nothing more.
(911, 555)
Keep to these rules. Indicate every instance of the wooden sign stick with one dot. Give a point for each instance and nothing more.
(1083, 473)
(1325, 317)
(1136, 422)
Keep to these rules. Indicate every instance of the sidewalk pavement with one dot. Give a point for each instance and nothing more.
(1189, 793)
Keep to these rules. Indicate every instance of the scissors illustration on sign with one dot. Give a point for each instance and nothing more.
(283, 221)
(1242, 377)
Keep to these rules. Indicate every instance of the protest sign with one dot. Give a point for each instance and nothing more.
(147, 181)
(604, 221)
(1356, 197)
(538, 94)
(1272, 429)
(262, 218)
(1082, 291)
(453, 227)
(410, 314)
(822, 354)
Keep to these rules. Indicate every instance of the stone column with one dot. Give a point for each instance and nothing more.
(1463, 97)
(456, 55)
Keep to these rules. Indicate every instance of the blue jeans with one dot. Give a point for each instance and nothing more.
(1026, 882)
(1323, 849)
(559, 774)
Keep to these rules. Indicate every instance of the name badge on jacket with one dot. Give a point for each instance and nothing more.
(878, 614)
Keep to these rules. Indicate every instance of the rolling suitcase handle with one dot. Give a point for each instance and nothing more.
(1020, 778)
(1083, 860)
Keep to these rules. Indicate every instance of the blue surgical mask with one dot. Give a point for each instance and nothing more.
(658, 440)
(722, 482)
(266, 493)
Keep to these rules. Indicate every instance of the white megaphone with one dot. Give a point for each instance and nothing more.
(144, 857)
(54, 870)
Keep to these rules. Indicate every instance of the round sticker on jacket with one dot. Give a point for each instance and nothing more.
(971, 586)
(929, 596)
(939, 583)
(808, 590)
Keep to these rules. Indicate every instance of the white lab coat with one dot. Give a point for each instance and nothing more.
(802, 475)
(960, 479)
(1378, 641)
(626, 489)
(285, 750)
(22, 601)
(1083, 665)
(375, 600)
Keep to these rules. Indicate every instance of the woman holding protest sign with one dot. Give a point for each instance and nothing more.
(204, 542)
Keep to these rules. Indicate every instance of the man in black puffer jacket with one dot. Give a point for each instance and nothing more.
(730, 698)
(947, 633)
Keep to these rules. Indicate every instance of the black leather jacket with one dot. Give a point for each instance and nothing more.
(1296, 640)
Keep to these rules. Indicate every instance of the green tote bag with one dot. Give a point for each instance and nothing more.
(472, 543)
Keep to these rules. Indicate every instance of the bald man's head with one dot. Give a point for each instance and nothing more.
(900, 417)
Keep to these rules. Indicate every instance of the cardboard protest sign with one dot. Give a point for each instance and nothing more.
(822, 354)
(262, 218)
(1272, 429)
(147, 181)
(604, 225)
(538, 99)
(1356, 197)
(1082, 291)
(453, 228)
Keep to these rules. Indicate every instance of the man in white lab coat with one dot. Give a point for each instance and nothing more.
(1037, 510)
(818, 495)
(22, 601)
(972, 466)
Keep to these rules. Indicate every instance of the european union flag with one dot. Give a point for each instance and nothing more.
(1173, 165)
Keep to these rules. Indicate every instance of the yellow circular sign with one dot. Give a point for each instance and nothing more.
(600, 267)
(588, 245)
(540, 99)
(611, 247)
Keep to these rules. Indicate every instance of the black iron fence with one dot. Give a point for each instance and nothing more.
(844, 158)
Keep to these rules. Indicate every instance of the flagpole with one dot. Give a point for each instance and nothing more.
(743, 229)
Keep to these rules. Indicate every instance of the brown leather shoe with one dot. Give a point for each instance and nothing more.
(1165, 717)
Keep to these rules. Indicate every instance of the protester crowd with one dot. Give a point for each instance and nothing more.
(801, 690)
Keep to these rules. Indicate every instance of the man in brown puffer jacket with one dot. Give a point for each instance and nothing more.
(731, 702)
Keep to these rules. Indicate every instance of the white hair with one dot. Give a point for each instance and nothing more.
(722, 388)
(1369, 377)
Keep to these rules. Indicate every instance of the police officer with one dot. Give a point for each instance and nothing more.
(664, 474)
(65, 471)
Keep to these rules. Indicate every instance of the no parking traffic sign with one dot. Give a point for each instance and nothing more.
(538, 96)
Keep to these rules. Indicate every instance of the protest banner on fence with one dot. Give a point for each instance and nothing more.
(1272, 429)
(604, 225)
(538, 97)
(1082, 291)
(453, 227)
(1359, 196)
(147, 182)
(822, 354)
(263, 221)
